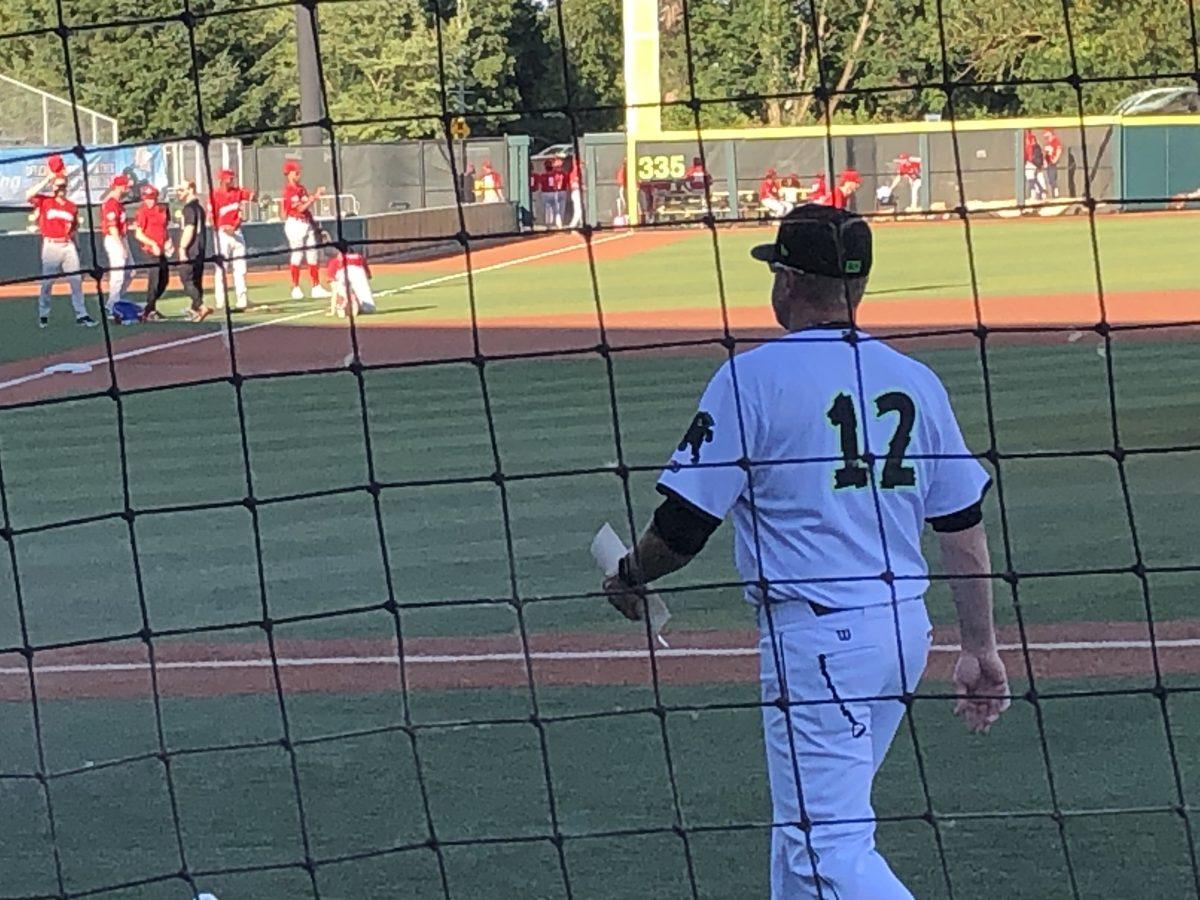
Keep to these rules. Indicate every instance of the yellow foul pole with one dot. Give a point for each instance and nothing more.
(643, 115)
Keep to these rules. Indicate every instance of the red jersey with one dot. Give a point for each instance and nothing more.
(56, 216)
(1052, 150)
(697, 178)
(910, 166)
(556, 181)
(152, 220)
(112, 215)
(227, 206)
(350, 259)
(294, 196)
(836, 198)
(768, 189)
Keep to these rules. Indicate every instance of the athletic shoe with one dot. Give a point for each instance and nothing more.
(318, 293)
(367, 310)
(241, 305)
(86, 322)
(152, 316)
(43, 321)
(201, 314)
(297, 294)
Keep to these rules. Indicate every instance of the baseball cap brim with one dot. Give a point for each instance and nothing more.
(763, 253)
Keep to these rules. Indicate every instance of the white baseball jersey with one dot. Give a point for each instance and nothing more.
(781, 438)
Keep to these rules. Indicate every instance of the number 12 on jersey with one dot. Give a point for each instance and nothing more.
(853, 472)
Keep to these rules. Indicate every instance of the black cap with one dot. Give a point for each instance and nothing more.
(820, 240)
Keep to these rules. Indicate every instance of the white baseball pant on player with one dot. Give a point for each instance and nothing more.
(352, 280)
(915, 186)
(776, 207)
(59, 257)
(116, 249)
(302, 238)
(233, 248)
(576, 208)
(844, 660)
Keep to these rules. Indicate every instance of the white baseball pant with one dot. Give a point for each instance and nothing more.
(59, 257)
(842, 672)
(576, 208)
(352, 281)
(233, 248)
(116, 249)
(776, 207)
(915, 186)
(302, 238)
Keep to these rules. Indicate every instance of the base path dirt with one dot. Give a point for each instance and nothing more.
(193, 669)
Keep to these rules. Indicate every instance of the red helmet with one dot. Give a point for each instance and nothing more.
(149, 191)
(225, 175)
(291, 166)
(119, 181)
(55, 163)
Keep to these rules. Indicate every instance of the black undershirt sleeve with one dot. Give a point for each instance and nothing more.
(963, 519)
(682, 525)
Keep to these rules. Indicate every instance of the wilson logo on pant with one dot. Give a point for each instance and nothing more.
(843, 634)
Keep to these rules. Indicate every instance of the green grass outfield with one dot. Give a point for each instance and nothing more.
(1024, 258)
(446, 542)
(487, 785)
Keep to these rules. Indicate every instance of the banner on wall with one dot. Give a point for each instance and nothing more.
(142, 165)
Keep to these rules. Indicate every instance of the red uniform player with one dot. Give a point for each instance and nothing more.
(116, 241)
(769, 195)
(908, 167)
(301, 230)
(150, 229)
(58, 220)
(226, 201)
(349, 277)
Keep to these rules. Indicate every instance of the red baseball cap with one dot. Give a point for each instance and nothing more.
(849, 174)
(55, 163)
(290, 165)
(119, 181)
(149, 190)
(225, 175)
(771, 172)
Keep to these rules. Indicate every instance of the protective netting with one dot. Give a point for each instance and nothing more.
(255, 504)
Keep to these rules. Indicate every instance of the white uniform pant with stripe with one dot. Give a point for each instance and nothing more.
(116, 249)
(576, 208)
(841, 673)
(353, 281)
(59, 257)
(232, 246)
(302, 239)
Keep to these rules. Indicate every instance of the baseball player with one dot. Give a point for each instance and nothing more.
(908, 168)
(556, 193)
(769, 196)
(226, 201)
(58, 221)
(116, 240)
(491, 186)
(831, 450)
(301, 230)
(349, 277)
(150, 229)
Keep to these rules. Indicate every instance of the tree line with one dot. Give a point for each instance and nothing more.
(548, 67)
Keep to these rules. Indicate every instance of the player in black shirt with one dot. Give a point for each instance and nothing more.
(192, 242)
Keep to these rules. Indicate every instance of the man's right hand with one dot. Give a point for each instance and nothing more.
(981, 683)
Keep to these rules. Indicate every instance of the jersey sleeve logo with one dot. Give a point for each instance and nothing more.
(698, 433)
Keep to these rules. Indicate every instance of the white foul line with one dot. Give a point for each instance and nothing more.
(209, 335)
(459, 659)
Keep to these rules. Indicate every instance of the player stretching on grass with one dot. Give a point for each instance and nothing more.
(301, 231)
(58, 220)
(832, 451)
(226, 200)
(349, 277)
